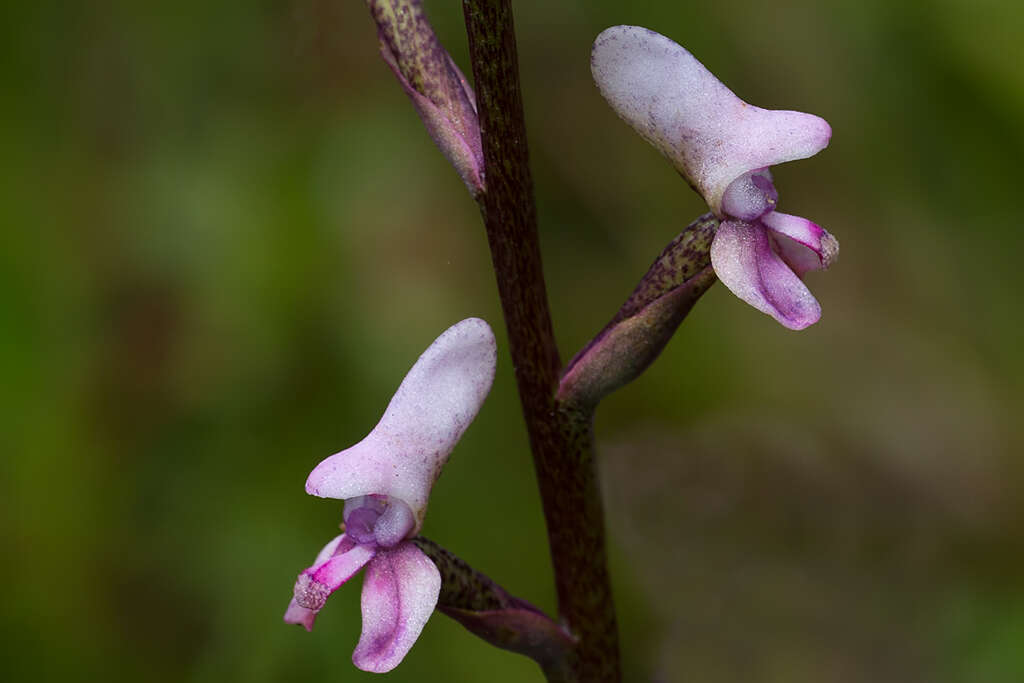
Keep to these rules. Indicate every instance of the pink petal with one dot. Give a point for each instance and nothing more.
(712, 136)
(295, 614)
(803, 245)
(400, 592)
(299, 615)
(745, 263)
(316, 584)
(403, 455)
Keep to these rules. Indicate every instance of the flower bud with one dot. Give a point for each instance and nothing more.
(441, 94)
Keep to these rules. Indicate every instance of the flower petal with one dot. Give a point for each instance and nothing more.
(745, 263)
(316, 584)
(403, 455)
(295, 614)
(400, 592)
(711, 136)
(299, 615)
(803, 245)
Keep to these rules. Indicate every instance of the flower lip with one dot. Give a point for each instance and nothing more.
(746, 263)
(400, 591)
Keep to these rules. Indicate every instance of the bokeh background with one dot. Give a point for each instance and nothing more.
(226, 237)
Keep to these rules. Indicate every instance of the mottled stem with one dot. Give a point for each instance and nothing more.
(560, 438)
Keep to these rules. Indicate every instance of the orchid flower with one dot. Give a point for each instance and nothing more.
(723, 147)
(385, 481)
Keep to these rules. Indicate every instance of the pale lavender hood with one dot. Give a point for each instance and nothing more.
(710, 135)
(403, 455)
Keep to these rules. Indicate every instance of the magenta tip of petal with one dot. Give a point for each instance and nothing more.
(829, 249)
(802, 244)
(296, 614)
(310, 593)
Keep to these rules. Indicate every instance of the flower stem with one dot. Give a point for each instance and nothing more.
(646, 322)
(561, 437)
(503, 620)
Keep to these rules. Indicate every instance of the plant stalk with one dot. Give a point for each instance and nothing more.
(561, 437)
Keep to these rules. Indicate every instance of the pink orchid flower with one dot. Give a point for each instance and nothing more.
(723, 147)
(385, 481)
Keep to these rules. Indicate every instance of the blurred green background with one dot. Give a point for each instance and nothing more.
(226, 238)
